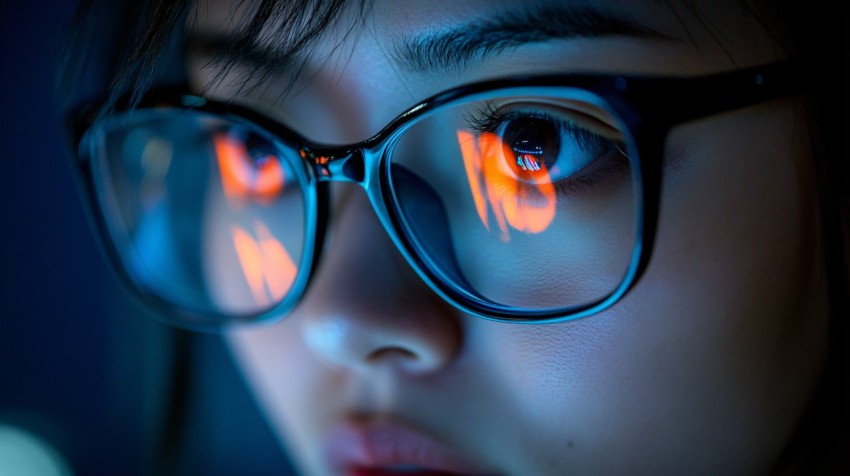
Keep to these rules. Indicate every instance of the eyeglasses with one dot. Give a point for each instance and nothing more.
(530, 199)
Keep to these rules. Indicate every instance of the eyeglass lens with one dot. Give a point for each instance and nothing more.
(523, 199)
(207, 212)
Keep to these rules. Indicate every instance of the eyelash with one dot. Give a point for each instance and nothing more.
(489, 118)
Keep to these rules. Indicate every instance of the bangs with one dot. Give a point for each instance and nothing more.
(148, 39)
(283, 32)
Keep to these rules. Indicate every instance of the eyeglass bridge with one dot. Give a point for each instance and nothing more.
(336, 165)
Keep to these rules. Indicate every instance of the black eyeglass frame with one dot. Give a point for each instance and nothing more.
(649, 107)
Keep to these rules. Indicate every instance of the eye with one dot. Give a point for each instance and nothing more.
(541, 146)
(249, 166)
(260, 152)
(534, 142)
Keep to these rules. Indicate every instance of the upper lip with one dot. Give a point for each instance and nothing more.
(386, 444)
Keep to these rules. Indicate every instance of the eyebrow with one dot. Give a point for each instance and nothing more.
(453, 48)
(476, 40)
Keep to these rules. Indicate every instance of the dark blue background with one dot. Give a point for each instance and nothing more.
(82, 366)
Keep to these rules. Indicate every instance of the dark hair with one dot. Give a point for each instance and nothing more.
(146, 32)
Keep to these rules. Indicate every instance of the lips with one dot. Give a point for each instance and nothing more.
(390, 449)
(391, 472)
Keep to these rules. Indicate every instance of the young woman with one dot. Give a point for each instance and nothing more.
(498, 237)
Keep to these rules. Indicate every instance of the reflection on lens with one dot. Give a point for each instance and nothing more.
(267, 267)
(207, 212)
(530, 196)
(243, 176)
(527, 206)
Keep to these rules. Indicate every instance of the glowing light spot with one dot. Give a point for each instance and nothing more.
(251, 259)
(243, 176)
(266, 265)
(278, 270)
(24, 454)
(516, 189)
(472, 164)
(528, 162)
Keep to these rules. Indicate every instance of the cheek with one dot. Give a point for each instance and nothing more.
(720, 344)
(286, 381)
(737, 240)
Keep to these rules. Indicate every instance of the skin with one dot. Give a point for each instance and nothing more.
(705, 367)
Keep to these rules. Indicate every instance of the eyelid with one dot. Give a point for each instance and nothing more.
(585, 115)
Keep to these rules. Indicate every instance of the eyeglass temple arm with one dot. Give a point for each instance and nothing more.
(675, 101)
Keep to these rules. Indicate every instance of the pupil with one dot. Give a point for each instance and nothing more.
(259, 149)
(534, 137)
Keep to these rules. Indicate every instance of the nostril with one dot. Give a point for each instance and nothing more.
(392, 353)
(397, 357)
(410, 359)
(358, 342)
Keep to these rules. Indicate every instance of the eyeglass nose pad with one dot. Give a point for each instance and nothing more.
(426, 216)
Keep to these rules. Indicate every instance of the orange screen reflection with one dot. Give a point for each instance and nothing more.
(517, 189)
(242, 176)
(266, 265)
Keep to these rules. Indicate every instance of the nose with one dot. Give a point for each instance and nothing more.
(366, 307)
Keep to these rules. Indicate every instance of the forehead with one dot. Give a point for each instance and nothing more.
(385, 56)
(734, 26)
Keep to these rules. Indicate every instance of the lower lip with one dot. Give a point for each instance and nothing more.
(387, 449)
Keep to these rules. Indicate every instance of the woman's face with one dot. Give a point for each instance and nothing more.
(704, 367)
